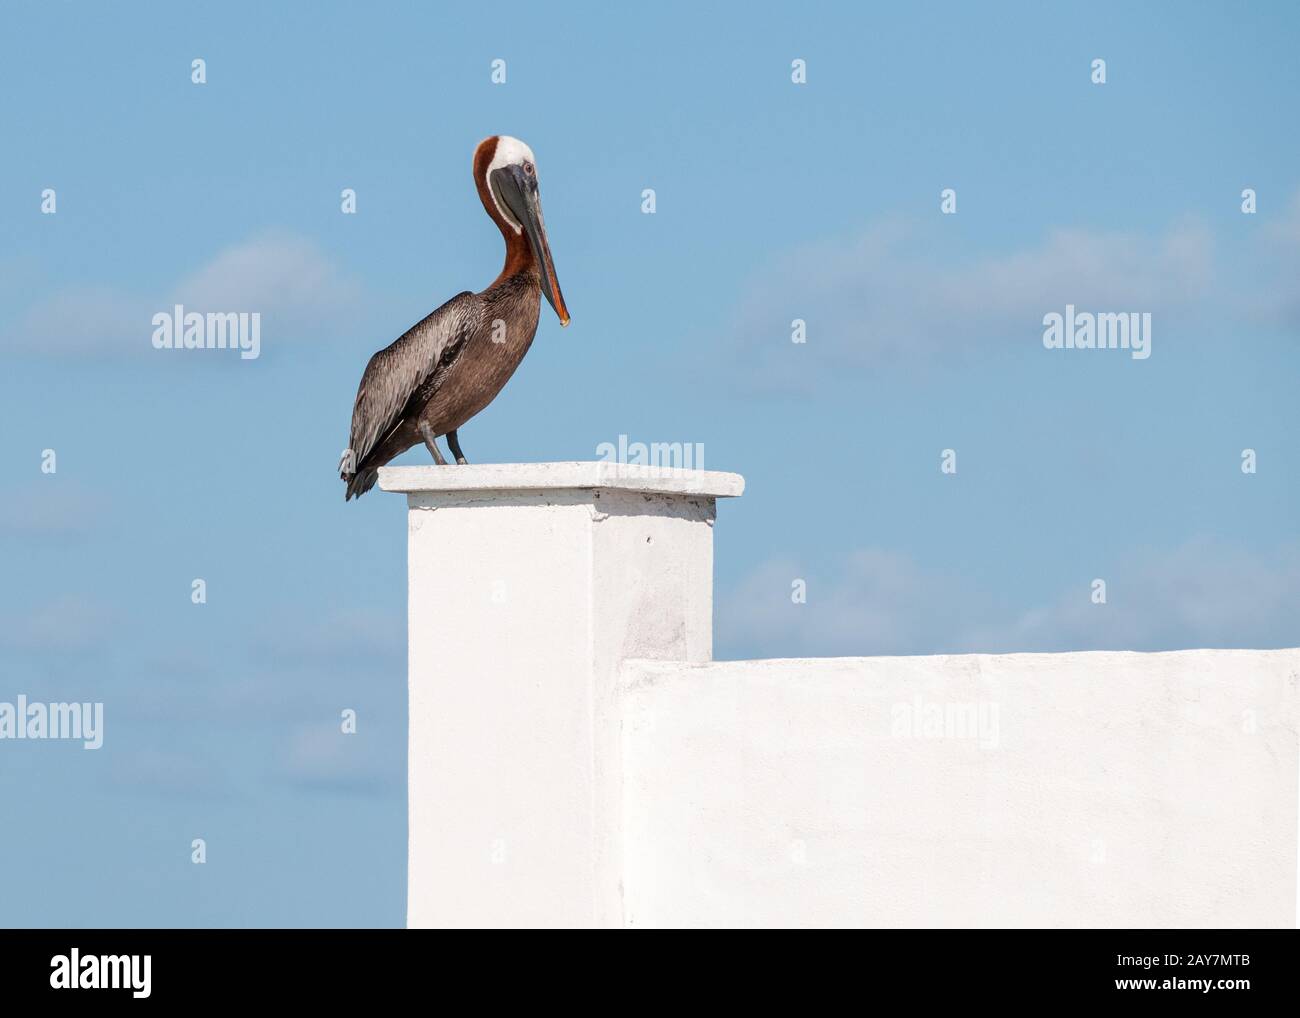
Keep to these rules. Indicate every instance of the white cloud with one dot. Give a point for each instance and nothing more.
(897, 291)
(280, 275)
(880, 603)
(297, 289)
(1201, 594)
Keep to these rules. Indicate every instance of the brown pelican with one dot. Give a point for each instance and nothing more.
(449, 366)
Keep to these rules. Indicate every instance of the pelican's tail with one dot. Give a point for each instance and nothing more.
(359, 481)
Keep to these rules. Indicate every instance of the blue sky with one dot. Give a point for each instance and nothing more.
(775, 201)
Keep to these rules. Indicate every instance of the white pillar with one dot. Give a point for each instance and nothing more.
(529, 585)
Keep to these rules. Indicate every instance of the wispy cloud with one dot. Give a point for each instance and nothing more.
(905, 292)
(1282, 238)
(295, 286)
(902, 291)
(321, 757)
(1201, 594)
(878, 602)
(1204, 593)
(70, 623)
(52, 508)
(337, 641)
(85, 322)
(189, 774)
(281, 275)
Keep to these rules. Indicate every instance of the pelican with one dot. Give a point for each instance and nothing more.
(449, 366)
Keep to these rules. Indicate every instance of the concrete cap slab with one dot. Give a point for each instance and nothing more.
(508, 477)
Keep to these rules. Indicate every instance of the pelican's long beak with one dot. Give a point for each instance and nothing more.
(520, 193)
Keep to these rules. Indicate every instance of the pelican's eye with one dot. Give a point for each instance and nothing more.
(528, 168)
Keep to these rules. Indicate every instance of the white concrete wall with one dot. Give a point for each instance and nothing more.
(1090, 789)
(558, 779)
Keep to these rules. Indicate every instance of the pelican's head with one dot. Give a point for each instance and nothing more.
(507, 176)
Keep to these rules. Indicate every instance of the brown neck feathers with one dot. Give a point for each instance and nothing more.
(519, 255)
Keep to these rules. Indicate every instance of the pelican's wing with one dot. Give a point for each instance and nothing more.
(398, 371)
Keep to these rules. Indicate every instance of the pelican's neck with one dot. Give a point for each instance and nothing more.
(519, 253)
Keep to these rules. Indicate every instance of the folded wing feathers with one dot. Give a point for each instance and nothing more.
(395, 373)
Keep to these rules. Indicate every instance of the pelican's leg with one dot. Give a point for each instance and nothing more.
(431, 440)
(453, 443)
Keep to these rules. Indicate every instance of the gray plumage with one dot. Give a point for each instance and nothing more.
(398, 373)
